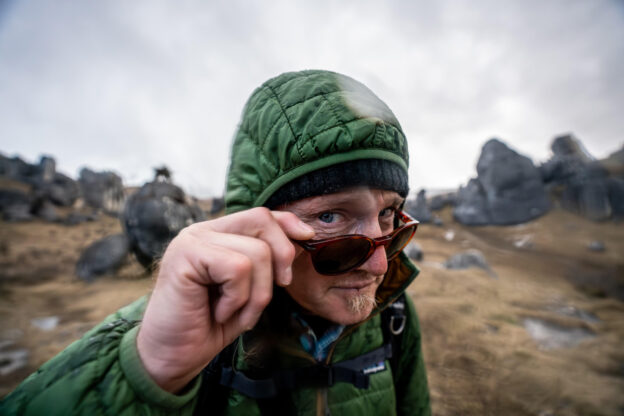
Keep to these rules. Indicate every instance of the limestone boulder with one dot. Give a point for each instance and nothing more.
(153, 216)
(508, 189)
(102, 190)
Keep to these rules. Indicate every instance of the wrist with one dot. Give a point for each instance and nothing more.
(164, 366)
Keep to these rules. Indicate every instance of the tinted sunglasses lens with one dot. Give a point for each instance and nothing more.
(399, 241)
(340, 255)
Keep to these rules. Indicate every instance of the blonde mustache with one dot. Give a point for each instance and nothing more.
(361, 302)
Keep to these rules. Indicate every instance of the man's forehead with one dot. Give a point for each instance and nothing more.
(360, 197)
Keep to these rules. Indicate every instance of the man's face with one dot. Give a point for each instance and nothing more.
(347, 298)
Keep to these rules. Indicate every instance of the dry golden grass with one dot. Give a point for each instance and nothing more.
(480, 359)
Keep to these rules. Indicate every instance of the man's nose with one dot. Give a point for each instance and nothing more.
(377, 264)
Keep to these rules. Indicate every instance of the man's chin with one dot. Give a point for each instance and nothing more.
(355, 309)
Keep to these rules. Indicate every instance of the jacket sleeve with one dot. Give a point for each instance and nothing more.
(412, 391)
(100, 374)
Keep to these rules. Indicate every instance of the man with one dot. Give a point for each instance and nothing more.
(281, 306)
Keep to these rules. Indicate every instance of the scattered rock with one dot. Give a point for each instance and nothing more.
(45, 210)
(103, 256)
(492, 329)
(13, 360)
(153, 216)
(418, 208)
(508, 189)
(597, 246)
(75, 218)
(47, 323)
(470, 258)
(437, 221)
(524, 241)
(414, 251)
(449, 235)
(102, 190)
(551, 336)
(573, 312)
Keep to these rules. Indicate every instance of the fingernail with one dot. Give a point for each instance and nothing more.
(305, 227)
(287, 276)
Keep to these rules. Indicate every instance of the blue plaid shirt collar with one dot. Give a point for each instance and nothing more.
(317, 347)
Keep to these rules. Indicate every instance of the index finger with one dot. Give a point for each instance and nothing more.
(276, 228)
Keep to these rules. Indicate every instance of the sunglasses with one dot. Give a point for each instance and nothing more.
(337, 255)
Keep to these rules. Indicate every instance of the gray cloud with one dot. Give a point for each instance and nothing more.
(129, 85)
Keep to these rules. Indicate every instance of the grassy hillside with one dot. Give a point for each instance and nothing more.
(481, 358)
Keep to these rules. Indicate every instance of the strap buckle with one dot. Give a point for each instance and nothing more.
(401, 324)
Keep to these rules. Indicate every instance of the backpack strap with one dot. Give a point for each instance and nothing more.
(212, 396)
(219, 377)
(393, 321)
(349, 371)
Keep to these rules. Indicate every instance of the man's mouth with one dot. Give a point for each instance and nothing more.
(357, 285)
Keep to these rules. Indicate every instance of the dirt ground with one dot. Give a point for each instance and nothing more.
(480, 357)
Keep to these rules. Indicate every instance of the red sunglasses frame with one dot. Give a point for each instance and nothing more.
(314, 245)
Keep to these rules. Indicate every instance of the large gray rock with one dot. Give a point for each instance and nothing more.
(508, 189)
(61, 190)
(418, 208)
(102, 190)
(582, 184)
(153, 216)
(103, 256)
(15, 168)
(44, 209)
(588, 197)
(471, 206)
(15, 205)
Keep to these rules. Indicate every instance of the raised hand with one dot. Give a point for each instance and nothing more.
(214, 281)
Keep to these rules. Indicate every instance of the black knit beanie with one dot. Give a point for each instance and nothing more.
(374, 173)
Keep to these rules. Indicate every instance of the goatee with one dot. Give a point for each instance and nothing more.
(361, 302)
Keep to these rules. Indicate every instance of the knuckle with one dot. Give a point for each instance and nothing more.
(289, 253)
(262, 298)
(264, 251)
(242, 266)
(261, 213)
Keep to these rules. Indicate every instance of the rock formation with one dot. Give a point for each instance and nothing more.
(582, 184)
(103, 256)
(154, 215)
(418, 208)
(102, 190)
(508, 189)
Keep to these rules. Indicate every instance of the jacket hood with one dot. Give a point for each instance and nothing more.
(299, 122)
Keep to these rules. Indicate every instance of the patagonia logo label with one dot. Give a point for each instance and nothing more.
(375, 368)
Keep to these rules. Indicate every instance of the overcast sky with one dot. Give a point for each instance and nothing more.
(128, 85)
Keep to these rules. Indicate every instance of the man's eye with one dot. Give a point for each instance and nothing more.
(327, 217)
(386, 212)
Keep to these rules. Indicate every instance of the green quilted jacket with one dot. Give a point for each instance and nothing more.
(291, 125)
(101, 374)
